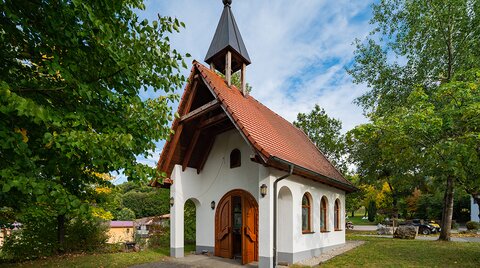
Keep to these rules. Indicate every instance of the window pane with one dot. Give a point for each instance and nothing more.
(304, 219)
(322, 219)
(305, 200)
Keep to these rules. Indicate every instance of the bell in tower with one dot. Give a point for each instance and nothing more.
(227, 53)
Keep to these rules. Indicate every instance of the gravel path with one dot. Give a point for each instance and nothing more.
(349, 245)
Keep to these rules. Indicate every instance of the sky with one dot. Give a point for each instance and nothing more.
(299, 49)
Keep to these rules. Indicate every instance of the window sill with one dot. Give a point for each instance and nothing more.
(338, 230)
(308, 232)
(324, 231)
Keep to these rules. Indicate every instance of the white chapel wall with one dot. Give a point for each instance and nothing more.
(309, 242)
(215, 180)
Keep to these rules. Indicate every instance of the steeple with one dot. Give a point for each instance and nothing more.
(227, 52)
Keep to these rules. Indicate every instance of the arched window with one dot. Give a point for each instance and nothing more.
(235, 158)
(323, 214)
(306, 213)
(336, 217)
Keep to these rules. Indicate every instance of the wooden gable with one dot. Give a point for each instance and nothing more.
(201, 120)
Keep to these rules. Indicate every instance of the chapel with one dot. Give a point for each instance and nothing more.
(263, 191)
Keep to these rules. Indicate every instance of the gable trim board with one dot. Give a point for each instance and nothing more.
(275, 141)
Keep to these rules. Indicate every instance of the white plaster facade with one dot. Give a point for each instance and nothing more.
(473, 210)
(217, 178)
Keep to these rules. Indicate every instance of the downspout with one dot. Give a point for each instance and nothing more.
(275, 213)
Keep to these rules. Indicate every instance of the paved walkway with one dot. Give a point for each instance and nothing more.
(195, 261)
(209, 261)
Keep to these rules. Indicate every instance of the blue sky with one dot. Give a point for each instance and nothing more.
(299, 50)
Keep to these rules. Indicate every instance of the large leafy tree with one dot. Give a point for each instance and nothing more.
(417, 44)
(442, 131)
(324, 132)
(70, 77)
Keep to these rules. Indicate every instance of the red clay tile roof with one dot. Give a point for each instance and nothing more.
(269, 133)
(276, 139)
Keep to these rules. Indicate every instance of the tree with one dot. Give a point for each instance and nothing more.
(443, 130)
(324, 132)
(415, 43)
(125, 214)
(432, 42)
(353, 201)
(372, 210)
(70, 77)
(237, 81)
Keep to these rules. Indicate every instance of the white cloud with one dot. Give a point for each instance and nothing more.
(285, 40)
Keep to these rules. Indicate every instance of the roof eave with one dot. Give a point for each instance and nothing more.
(327, 180)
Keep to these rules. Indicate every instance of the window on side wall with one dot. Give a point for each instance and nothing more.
(307, 213)
(323, 215)
(336, 216)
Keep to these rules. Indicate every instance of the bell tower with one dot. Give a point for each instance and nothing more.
(227, 53)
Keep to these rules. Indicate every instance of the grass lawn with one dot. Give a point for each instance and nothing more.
(357, 220)
(111, 260)
(387, 252)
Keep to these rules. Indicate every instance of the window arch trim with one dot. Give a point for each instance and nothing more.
(307, 203)
(337, 213)
(324, 214)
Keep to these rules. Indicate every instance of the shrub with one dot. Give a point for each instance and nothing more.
(380, 219)
(473, 225)
(159, 236)
(38, 237)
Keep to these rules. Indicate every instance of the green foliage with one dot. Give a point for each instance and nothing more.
(38, 237)
(324, 132)
(154, 202)
(372, 210)
(125, 214)
(190, 222)
(237, 80)
(473, 225)
(159, 236)
(415, 43)
(70, 107)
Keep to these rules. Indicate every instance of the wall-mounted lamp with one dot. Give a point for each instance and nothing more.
(212, 205)
(263, 190)
(172, 201)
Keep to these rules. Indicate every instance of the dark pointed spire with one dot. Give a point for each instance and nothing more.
(227, 38)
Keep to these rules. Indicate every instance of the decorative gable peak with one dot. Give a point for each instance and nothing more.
(227, 53)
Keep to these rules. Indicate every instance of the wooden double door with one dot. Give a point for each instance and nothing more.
(236, 227)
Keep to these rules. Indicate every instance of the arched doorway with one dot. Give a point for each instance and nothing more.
(236, 227)
(190, 224)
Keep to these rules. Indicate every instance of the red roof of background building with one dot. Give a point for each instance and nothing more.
(268, 132)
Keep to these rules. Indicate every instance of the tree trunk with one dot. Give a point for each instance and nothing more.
(353, 213)
(61, 232)
(447, 211)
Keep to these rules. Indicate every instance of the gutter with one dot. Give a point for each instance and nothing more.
(332, 182)
(275, 221)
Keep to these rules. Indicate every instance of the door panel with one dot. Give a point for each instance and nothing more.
(250, 230)
(223, 228)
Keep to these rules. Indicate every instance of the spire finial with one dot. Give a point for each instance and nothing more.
(227, 2)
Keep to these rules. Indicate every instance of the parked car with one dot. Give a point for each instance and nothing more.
(436, 225)
(423, 228)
